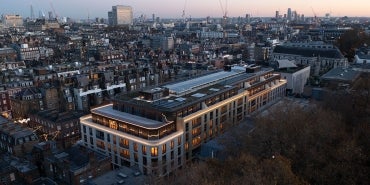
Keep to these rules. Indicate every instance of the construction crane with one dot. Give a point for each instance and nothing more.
(183, 10)
(315, 17)
(52, 7)
(224, 12)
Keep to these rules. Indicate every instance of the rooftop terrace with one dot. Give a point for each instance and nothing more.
(108, 111)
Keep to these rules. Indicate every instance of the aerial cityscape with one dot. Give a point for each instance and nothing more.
(184, 92)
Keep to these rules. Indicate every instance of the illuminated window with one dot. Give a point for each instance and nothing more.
(196, 131)
(100, 144)
(179, 140)
(196, 141)
(186, 146)
(123, 142)
(154, 151)
(113, 124)
(125, 153)
(196, 122)
(172, 144)
(144, 149)
(164, 148)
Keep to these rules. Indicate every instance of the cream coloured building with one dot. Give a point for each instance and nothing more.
(120, 15)
(158, 130)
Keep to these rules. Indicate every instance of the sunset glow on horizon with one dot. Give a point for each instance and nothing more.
(192, 8)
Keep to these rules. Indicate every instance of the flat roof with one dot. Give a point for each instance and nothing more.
(200, 82)
(342, 74)
(108, 111)
(14, 130)
(284, 63)
(175, 102)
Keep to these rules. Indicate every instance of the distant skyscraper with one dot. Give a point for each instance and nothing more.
(295, 15)
(277, 14)
(120, 15)
(248, 18)
(110, 18)
(50, 15)
(289, 14)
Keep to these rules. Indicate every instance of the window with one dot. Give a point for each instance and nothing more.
(186, 146)
(99, 134)
(91, 140)
(143, 148)
(108, 137)
(223, 109)
(125, 153)
(135, 157)
(123, 142)
(135, 147)
(196, 141)
(154, 151)
(196, 131)
(196, 122)
(172, 144)
(113, 124)
(100, 144)
(164, 148)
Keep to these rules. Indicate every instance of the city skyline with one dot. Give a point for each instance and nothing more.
(83, 9)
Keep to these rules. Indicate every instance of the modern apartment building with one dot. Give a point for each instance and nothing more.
(120, 15)
(159, 130)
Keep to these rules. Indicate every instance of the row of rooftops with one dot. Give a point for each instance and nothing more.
(309, 51)
(55, 116)
(14, 130)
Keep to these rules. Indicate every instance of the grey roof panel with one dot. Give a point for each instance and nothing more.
(309, 52)
(194, 84)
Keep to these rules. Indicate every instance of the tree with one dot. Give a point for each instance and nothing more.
(289, 145)
(351, 40)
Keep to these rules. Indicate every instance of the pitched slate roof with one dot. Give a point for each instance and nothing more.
(309, 52)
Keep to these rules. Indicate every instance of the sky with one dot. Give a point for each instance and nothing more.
(82, 9)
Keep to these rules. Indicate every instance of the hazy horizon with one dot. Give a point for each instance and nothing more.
(82, 9)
